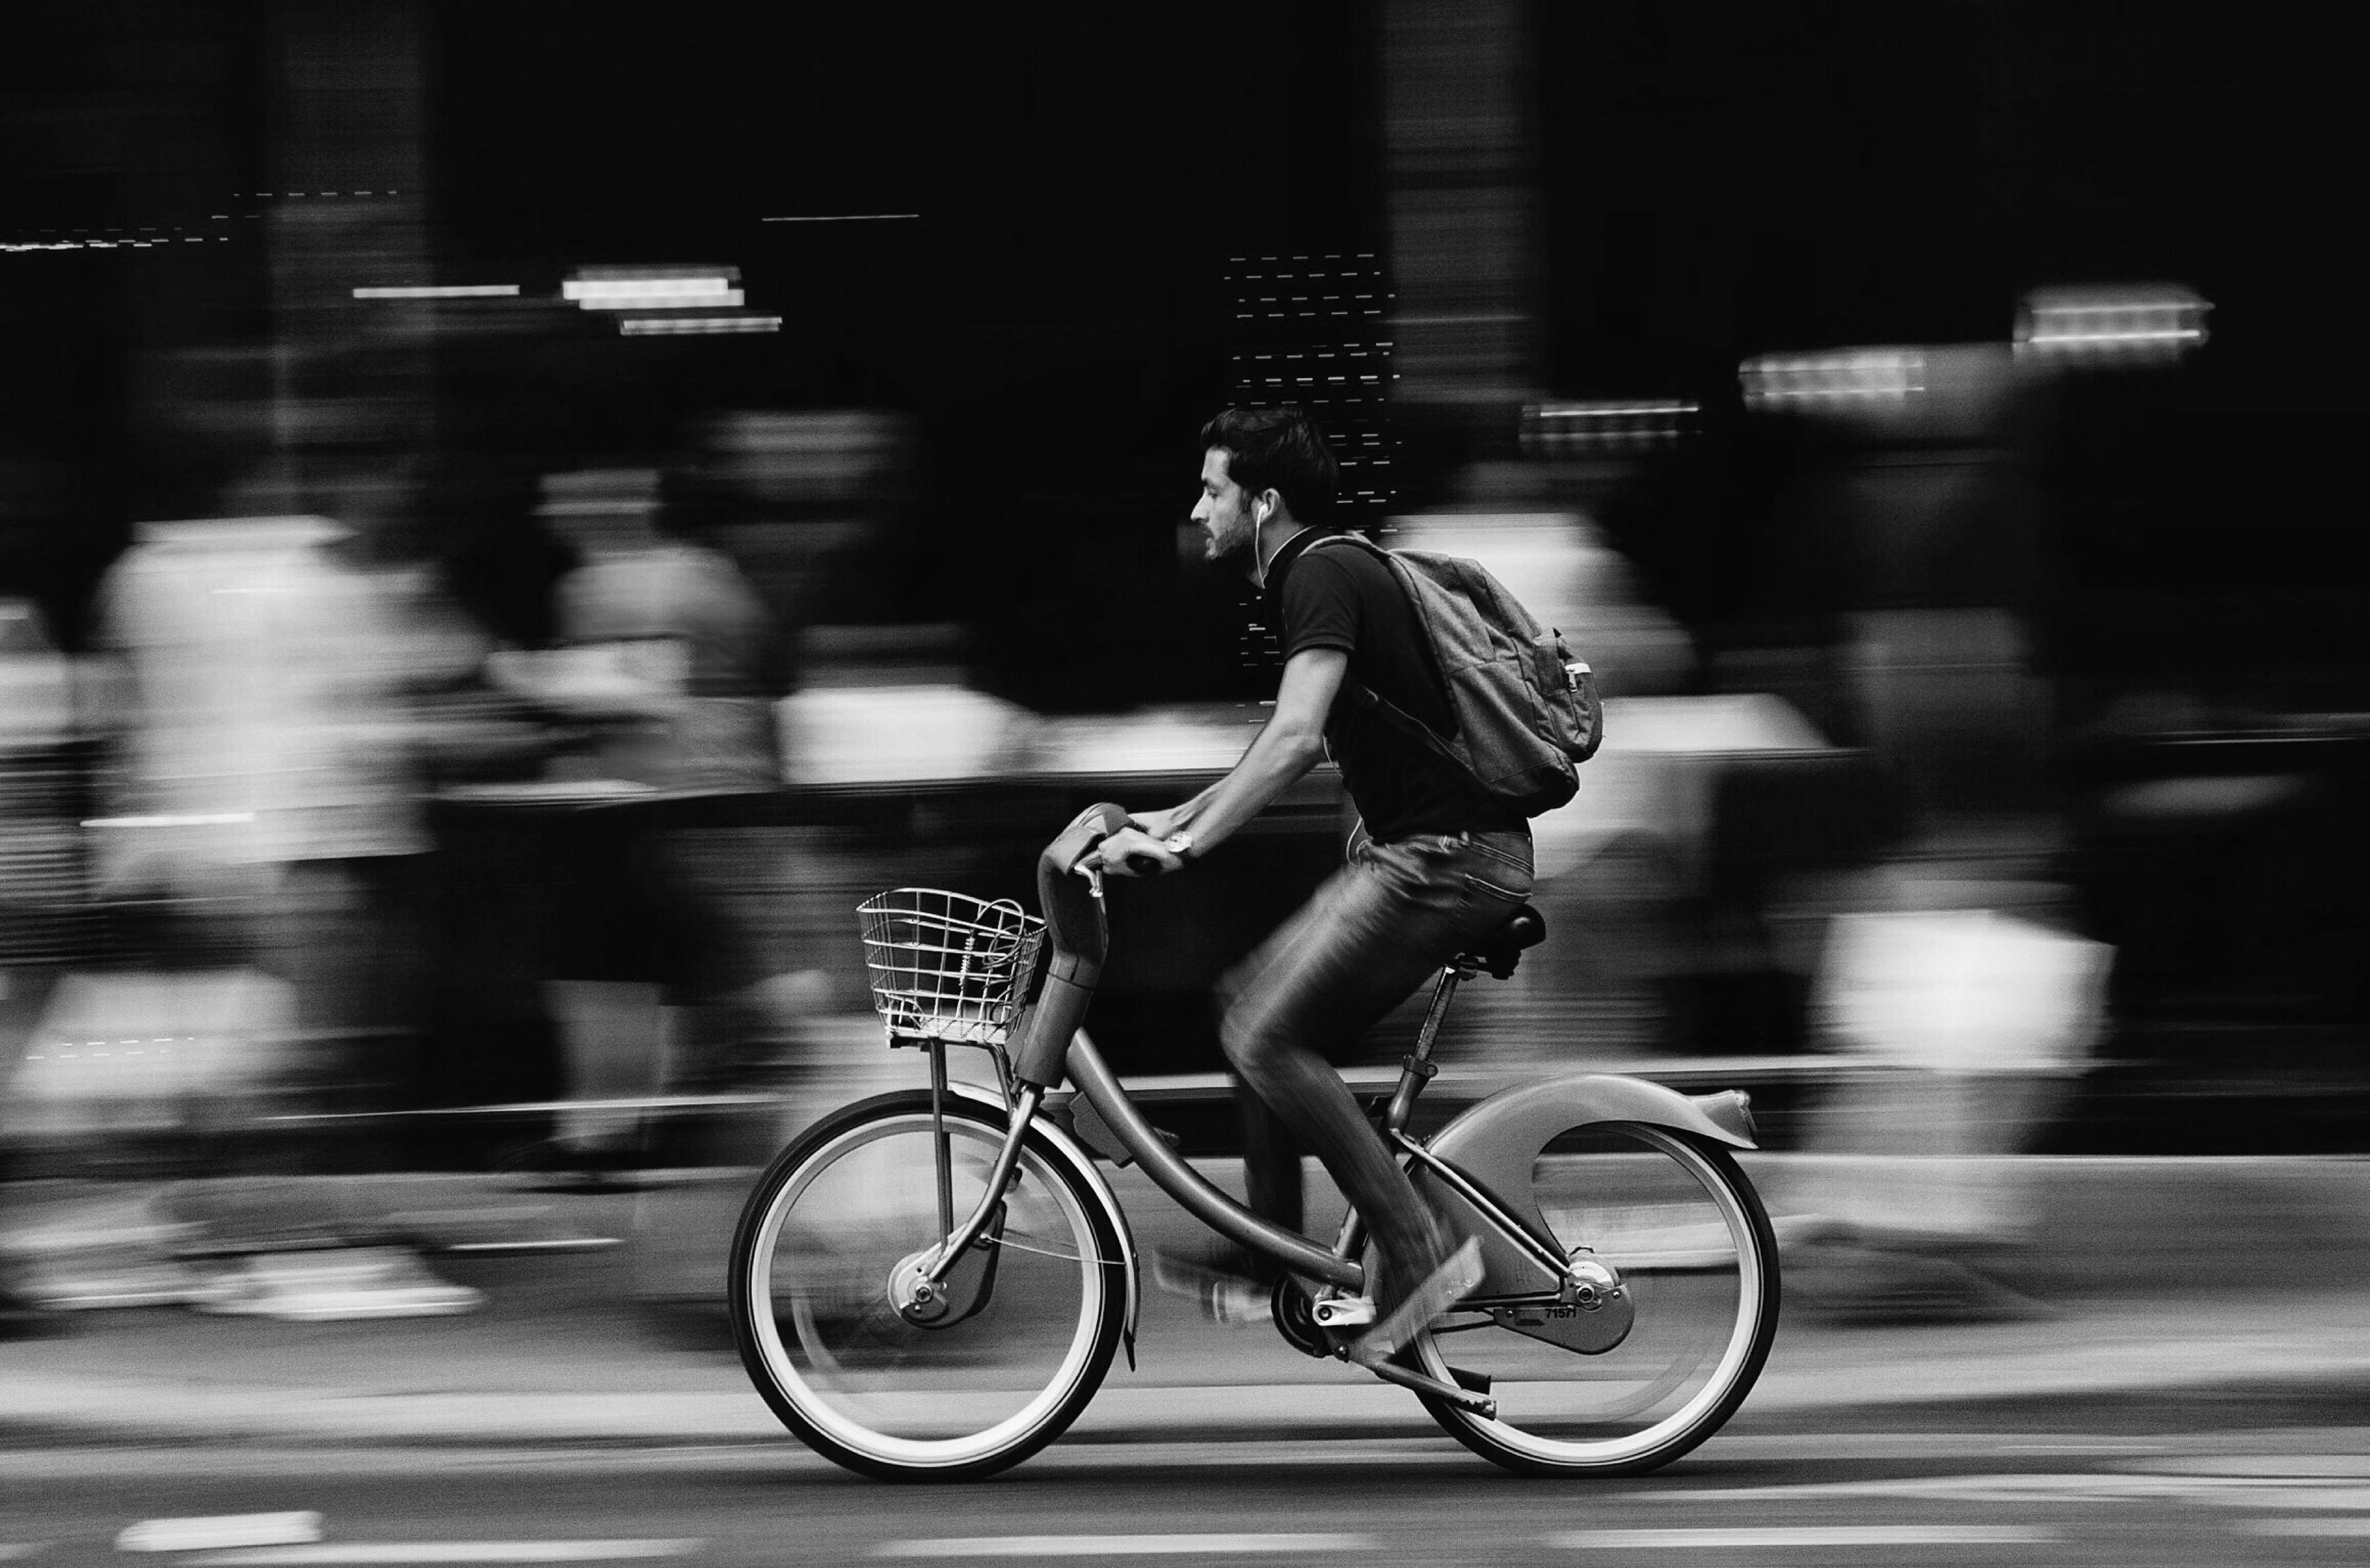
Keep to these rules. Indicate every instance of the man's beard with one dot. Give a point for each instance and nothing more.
(1222, 547)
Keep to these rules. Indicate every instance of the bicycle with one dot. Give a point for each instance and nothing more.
(931, 1283)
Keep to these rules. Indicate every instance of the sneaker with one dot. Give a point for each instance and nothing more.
(89, 1253)
(1438, 1291)
(93, 1282)
(1227, 1297)
(1238, 1303)
(336, 1284)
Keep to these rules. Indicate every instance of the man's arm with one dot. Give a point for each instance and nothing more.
(1288, 744)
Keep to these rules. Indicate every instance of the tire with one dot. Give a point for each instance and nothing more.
(811, 1258)
(1690, 1237)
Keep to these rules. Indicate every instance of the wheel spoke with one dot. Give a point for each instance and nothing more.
(1054, 1252)
(1691, 1245)
(1019, 1337)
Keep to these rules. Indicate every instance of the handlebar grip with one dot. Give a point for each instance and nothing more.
(1089, 828)
(1074, 915)
(1074, 919)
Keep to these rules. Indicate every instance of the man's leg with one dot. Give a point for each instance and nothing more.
(1374, 933)
(1273, 1151)
(1271, 1156)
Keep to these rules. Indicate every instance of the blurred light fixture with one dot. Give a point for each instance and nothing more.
(1622, 424)
(646, 298)
(690, 295)
(652, 288)
(174, 819)
(670, 326)
(443, 291)
(2119, 322)
(1837, 379)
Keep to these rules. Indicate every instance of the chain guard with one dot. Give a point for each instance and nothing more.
(1295, 1320)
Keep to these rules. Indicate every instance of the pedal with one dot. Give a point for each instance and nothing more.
(1343, 1313)
(1476, 1400)
(1471, 1382)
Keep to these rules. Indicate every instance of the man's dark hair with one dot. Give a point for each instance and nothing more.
(1278, 449)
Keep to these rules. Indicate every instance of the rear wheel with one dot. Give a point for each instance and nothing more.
(1687, 1234)
(818, 1239)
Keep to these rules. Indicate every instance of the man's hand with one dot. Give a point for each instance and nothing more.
(1157, 825)
(1132, 852)
(1288, 744)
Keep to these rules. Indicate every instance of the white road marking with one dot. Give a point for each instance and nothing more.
(213, 1531)
(1255, 1455)
(1806, 1535)
(2339, 1526)
(1120, 1545)
(365, 1551)
(10, 1551)
(1266, 1453)
(2006, 1487)
(1914, 1445)
(2272, 1490)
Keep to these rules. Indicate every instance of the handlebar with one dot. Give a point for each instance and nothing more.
(1077, 841)
(1080, 941)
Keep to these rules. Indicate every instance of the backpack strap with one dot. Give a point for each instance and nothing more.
(1407, 724)
(1374, 702)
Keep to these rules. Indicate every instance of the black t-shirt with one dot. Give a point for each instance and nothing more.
(1345, 596)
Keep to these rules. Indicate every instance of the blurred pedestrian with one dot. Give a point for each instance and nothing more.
(40, 890)
(1966, 1011)
(663, 662)
(266, 805)
(662, 651)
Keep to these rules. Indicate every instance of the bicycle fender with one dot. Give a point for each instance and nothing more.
(1092, 1178)
(1496, 1142)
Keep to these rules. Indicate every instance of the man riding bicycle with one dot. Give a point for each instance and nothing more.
(1433, 867)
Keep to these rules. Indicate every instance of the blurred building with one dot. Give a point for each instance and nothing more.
(1929, 472)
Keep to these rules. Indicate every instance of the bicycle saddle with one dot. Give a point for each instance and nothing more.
(1502, 949)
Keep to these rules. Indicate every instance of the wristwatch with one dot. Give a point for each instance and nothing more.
(1179, 844)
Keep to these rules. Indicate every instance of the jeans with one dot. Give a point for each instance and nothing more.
(1374, 931)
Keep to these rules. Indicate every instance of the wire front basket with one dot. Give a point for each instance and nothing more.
(945, 966)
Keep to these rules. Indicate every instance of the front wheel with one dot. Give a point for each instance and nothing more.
(820, 1237)
(1691, 1240)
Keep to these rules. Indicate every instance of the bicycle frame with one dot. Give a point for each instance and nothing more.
(1339, 1265)
(1075, 916)
(1515, 1172)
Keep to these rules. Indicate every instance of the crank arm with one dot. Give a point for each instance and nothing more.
(1479, 1404)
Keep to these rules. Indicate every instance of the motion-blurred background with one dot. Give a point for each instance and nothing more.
(514, 517)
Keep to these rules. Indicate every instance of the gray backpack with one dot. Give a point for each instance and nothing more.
(1528, 713)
